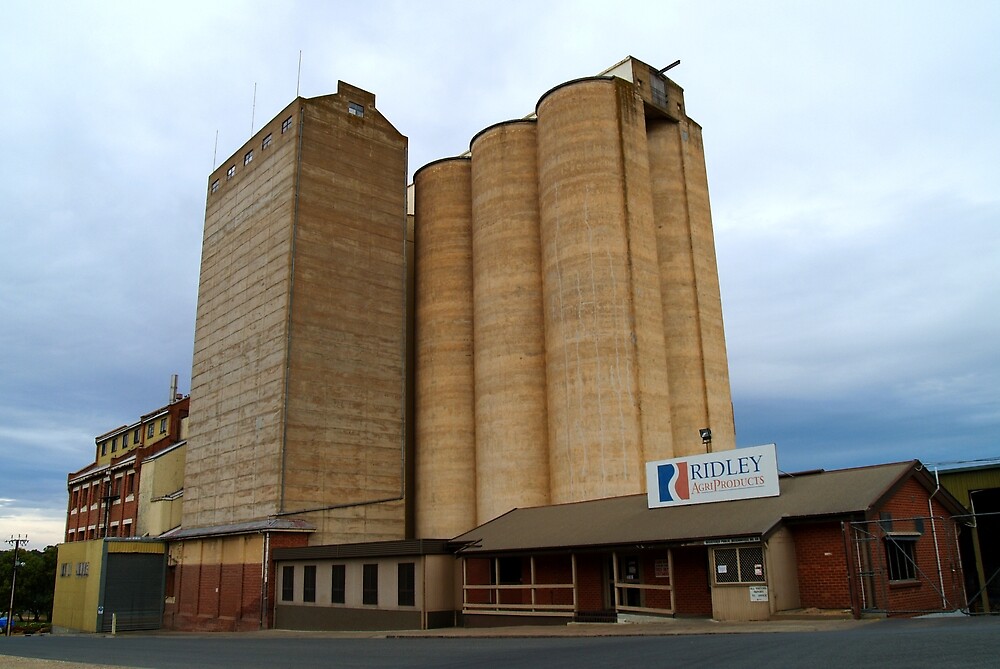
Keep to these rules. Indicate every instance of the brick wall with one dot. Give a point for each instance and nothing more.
(215, 595)
(822, 566)
(654, 599)
(693, 595)
(590, 583)
(909, 511)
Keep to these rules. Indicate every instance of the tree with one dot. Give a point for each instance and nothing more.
(36, 581)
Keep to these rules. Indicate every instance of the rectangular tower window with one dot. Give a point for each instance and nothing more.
(286, 124)
(287, 583)
(355, 109)
(231, 172)
(215, 185)
(248, 158)
(135, 436)
(266, 142)
(163, 426)
(338, 585)
(369, 585)
(405, 584)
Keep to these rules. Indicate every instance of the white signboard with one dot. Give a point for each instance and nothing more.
(758, 593)
(744, 473)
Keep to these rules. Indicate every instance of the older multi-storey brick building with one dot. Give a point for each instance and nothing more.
(104, 497)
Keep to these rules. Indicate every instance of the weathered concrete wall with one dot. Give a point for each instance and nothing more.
(299, 376)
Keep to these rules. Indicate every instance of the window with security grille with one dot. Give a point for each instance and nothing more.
(900, 558)
(744, 564)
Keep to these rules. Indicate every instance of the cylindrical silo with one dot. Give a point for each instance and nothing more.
(512, 464)
(692, 308)
(445, 424)
(595, 441)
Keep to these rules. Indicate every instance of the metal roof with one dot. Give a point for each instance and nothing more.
(248, 527)
(628, 520)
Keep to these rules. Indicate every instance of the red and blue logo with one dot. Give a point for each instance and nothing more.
(673, 482)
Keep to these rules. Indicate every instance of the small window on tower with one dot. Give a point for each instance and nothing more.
(286, 124)
(215, 185)
(231, 172)
(355, 109)
(248, 158)
(266, 142)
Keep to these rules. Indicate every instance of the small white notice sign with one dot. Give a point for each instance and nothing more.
(758, 593)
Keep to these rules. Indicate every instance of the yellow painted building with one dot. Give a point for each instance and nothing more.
(109, 584)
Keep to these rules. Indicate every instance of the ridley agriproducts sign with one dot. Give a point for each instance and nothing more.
(743, 473)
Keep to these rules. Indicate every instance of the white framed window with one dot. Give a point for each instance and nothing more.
(248, 157)
(231, 172)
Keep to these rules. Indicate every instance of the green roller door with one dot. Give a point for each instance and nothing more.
(133, 591)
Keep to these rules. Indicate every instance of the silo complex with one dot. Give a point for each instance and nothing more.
(586, 324)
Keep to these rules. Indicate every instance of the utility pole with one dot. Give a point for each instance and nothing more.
(13, 578)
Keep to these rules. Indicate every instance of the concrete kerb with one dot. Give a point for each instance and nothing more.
(669, 627)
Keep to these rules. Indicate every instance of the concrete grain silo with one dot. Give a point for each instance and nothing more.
(445, 419)
(512, 466)
(601, 290)
(692, 308)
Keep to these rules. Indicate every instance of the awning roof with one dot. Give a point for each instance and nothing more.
(628, 521)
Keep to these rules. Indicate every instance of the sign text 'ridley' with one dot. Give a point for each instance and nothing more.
(743, 473)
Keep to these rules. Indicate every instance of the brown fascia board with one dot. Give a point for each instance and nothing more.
(395, 548)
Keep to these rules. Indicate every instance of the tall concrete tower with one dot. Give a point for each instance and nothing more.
(585, 313)
(299, 380)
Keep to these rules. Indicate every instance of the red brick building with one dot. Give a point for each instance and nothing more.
(103, 496)
(880, 539)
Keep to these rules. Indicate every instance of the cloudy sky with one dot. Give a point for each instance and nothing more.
(853, 153)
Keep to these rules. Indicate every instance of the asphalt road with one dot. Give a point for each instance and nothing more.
(941, 642)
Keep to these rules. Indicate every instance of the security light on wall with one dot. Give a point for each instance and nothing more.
(706, 435)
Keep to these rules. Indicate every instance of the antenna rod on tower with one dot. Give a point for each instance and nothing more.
(298, 77)
(253, 107)
(215, 149)
(671, 66)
